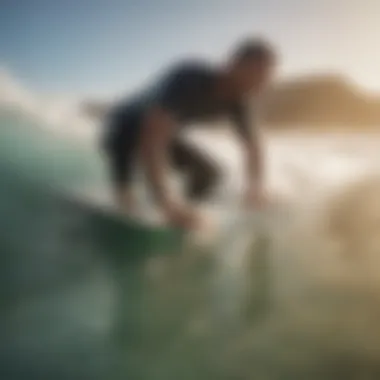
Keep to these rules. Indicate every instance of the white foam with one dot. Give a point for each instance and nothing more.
(61, 114)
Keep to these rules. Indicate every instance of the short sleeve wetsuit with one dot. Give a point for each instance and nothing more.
(187, 92)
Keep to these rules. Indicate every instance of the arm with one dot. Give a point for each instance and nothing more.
(250, 137)
(158, 128)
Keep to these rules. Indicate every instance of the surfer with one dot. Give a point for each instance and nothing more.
(147, 127)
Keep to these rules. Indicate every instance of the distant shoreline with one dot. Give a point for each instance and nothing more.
(307, 129)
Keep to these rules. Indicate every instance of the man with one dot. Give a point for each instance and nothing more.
(147, 128)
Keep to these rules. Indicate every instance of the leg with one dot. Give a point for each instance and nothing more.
(120, 148)
(121, 183)
(203, 174)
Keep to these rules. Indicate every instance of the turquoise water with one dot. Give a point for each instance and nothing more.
(65, 269)
(82, 297)
(37, 155)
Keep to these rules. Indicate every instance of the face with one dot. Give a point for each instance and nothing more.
(252, 77)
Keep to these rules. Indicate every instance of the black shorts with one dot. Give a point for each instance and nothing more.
(121, 143)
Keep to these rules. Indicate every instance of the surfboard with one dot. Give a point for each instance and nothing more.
(148, 234)
(132, 235)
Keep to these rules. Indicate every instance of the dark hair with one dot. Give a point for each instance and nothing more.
(254, 48)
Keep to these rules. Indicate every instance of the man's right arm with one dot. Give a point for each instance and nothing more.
(158, 128)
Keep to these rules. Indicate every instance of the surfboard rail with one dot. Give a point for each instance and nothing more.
(133, 235)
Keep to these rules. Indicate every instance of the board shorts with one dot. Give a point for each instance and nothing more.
(121, 141)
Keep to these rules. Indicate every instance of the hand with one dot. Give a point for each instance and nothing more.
(182, 217)
(256, 197)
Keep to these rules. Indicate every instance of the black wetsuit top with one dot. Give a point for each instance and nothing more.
(187, 92)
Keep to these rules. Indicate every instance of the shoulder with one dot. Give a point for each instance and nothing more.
(192, 70)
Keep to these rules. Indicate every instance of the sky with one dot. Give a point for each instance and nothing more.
(106, 47)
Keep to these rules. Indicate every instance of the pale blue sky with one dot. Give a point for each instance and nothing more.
(103, 47)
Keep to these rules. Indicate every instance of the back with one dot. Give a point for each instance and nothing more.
(186, 90)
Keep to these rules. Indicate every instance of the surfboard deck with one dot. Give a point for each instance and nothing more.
(148, 234)
(130, 234)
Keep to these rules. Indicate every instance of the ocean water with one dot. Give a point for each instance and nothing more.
(280, 297)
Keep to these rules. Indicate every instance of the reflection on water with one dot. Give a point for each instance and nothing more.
(299, 300)
(281, 296)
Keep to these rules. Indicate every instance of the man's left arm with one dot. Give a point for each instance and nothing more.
(249, 134)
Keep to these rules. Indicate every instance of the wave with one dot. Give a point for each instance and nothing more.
(62, 114)
(84, 297)
(63, 264)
